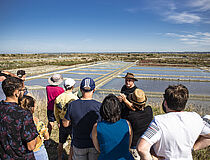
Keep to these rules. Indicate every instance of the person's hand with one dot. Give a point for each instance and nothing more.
(123, 97)
(43, 131)
(5, 72)
(2, 78)
(120, 98)
(58, 125)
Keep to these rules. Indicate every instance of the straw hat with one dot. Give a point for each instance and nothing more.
(130, 76)
(55, 80)
(138, 97)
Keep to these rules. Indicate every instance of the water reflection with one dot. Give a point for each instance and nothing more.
(89, 72)
(201, 88)
(179, 73)
(166, 68)
(80, 76)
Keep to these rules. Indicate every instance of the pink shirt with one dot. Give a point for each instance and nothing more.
(52, 93)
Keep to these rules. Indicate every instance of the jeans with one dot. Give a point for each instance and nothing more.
(41, 154)
(85, 153)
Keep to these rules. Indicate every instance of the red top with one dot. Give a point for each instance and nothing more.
(52, 93)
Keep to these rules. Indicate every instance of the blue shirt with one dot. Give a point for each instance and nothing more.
(83, 114)
(113, 139)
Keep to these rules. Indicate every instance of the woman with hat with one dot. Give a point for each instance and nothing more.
(53, 90)
(139, 115)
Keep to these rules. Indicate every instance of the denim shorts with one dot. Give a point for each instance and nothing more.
(64, 132)
(50, 116)
(41, 154)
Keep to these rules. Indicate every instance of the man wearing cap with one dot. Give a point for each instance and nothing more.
(60, 107)
(7, 74)
(22, 75)
(128, 87)
(83, 114)
(53, 90)
(173, 134)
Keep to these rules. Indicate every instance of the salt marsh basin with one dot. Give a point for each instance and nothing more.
(152, 79)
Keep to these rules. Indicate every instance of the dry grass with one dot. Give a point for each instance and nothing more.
(41, 113)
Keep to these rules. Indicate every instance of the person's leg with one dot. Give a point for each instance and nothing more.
(63, 134)
(51, 119)
(71, 147)
(92, 154)
(80, 154)
(70, 153)
(60, 151)
(50, 127)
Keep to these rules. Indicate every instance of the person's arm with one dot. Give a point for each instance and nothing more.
(143, 148)
(9, 73)
(149, 138)
(46, 135)
(29, 131)
(65, 122)
(2, 78)
(128, 104)
(31, 145)
(130, 133)
(56, 112)
(94, 137)
(203, 141)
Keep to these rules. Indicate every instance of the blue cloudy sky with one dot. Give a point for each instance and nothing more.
(37, 26)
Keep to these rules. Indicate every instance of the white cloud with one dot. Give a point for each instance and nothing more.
(198, 38)
(132, 10)
(180, 12)
(202, 5)
(207, 34)
(181, 35)
(183, 18)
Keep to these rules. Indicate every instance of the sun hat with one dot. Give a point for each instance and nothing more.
(87, 84)
(69, 82)
(138, 97)
(130, 76)
(55, 80)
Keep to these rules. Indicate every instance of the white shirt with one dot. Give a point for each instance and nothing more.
(174, 134)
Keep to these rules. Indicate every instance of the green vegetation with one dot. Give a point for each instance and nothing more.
(12, 61)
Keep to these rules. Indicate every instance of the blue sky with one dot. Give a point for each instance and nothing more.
(37, 26)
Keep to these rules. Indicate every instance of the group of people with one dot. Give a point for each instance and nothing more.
(122, 127)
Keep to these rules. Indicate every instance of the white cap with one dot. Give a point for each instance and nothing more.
(69, 82)
(207, 116)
